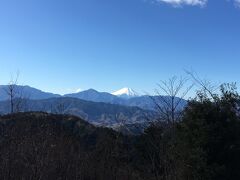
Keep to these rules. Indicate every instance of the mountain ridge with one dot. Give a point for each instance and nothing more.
(98, 113)
(26, 92)
(143, 101)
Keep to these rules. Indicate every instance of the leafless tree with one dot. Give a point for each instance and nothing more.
(207, 88)
(17, 96)
(169, 98)
(12, 91)
(160, 138)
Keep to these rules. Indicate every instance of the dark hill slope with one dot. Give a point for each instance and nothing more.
(44, 146)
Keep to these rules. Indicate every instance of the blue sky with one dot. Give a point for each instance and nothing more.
(63, 45)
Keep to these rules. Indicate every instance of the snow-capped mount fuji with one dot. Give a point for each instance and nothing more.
(125, 93)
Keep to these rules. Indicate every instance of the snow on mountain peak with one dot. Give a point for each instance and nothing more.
(125, 92)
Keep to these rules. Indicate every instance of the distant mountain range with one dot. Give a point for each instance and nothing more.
(95, 96)
(99, 108)
(97, 113)
(125, 96)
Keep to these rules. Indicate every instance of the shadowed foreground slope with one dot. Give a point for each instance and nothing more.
(43, 146)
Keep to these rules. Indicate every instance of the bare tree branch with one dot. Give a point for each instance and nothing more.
(170, 95)
(11, 91)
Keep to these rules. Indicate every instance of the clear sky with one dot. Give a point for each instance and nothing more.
(63, 45)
